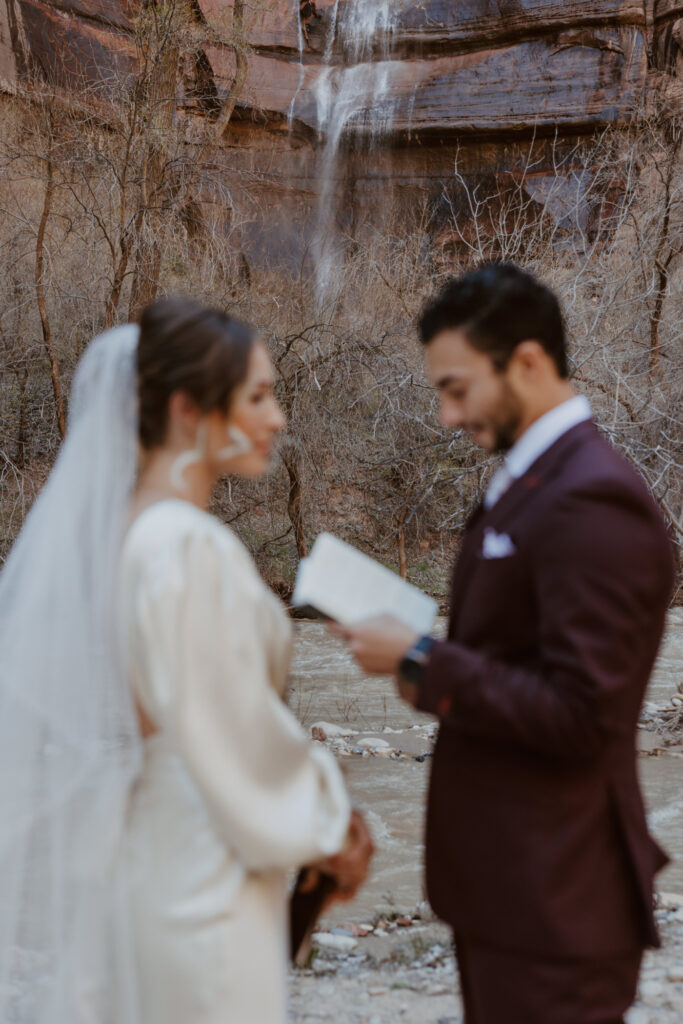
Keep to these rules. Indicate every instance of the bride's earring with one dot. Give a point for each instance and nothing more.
(241, 444)
(188, 458)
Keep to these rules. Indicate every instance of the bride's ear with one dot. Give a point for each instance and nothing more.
(183, 417)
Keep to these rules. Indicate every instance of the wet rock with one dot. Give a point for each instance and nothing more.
(327, 731)
(670, 900)
(372, 743)
(651, 992)
(338, 943)
(387, 752)
(360, 931)
(638, 1015)
(556, 83)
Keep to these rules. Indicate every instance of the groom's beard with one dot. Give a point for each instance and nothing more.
(505, 421)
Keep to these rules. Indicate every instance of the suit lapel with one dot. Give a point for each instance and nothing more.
(519, 492)
(539, 472)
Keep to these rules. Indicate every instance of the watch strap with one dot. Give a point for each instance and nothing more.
(413, 663)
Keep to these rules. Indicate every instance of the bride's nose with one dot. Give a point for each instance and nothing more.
(277, 420)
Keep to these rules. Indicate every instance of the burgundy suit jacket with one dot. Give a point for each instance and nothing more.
(536, 833)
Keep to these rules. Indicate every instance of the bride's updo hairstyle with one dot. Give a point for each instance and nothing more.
(184, 346)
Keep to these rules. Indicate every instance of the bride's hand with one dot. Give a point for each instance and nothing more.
(349, 867)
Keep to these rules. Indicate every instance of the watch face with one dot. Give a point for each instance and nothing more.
(411, 670)
(413, 664)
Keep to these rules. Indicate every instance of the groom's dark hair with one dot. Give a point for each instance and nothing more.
(498, 306)
(187, 347)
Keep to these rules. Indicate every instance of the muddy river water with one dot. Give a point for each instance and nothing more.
(391, 787)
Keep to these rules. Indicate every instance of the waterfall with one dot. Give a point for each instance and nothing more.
(352, 96)
(366, 24)
(302, 70)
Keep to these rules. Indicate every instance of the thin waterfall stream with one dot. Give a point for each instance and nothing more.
(351, 96)
(302, 69)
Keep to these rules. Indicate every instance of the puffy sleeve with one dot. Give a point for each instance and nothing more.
(276, 799)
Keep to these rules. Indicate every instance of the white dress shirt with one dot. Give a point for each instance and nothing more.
(543, 433)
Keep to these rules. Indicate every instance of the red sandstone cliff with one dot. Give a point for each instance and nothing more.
(474, 77)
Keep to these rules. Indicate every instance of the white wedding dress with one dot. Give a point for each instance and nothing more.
(232, 794)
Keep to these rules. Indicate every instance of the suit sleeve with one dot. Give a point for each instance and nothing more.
(277, 799)
(602, 577)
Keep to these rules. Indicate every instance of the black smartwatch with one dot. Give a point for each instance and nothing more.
(412, 665)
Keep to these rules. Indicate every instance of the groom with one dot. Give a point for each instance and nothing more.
(538, 853)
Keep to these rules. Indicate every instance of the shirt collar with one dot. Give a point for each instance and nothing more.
(544, 432)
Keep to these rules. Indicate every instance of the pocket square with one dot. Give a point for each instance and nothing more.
(497, 545)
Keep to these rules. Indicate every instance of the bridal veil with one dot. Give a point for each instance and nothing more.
(69, 742)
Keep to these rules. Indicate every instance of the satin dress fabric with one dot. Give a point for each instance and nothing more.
(232, 795)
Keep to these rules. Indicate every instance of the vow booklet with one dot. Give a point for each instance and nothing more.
(343, 584)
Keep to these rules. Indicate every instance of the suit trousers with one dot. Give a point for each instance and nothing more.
(502, 987)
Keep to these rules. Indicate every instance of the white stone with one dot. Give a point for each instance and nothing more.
(372, 743)
(333, 731)
(675, 973)
(340, 943)
(637, 1015)
(651, 991)
(670, 899)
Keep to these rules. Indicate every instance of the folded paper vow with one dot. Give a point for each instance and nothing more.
(345, 585)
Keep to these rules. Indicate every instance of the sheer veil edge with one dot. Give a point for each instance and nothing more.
(69, 740)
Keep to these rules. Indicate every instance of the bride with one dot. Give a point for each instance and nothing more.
(154, 788)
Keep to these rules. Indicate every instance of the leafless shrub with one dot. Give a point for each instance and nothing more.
(605, 229)
(112, 198)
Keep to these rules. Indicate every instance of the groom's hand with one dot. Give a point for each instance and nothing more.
(378, 644)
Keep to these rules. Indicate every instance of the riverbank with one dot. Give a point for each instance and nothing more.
(383, 957)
